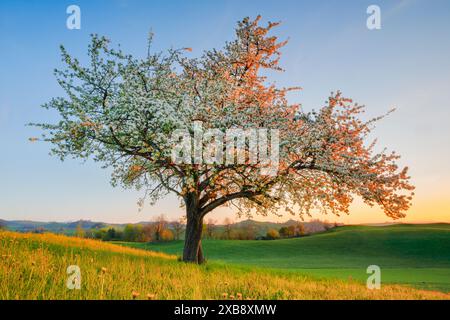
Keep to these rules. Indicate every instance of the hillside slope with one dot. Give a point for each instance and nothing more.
(411, 254)
(34, 267)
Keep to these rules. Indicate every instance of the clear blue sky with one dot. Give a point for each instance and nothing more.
(405, 64)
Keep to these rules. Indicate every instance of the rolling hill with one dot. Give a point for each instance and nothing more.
(417, 255)
(34, 266)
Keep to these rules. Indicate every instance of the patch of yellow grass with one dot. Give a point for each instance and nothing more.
(34, 267)
(79, 243)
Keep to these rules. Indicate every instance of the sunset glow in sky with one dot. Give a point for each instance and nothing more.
(405, 65)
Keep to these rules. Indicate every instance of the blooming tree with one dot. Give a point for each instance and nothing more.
(122, 111)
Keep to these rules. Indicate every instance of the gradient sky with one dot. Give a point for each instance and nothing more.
(406, 64)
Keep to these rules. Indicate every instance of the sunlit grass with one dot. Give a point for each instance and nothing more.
(34, 267)
(415, 255)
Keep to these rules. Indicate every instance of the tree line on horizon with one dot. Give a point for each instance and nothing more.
(162, 230)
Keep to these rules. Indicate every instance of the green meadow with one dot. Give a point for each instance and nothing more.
(413, 255)
(35, 266)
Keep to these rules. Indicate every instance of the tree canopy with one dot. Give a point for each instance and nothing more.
(122, 111)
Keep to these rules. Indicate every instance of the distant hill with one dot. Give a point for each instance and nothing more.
(56, 227)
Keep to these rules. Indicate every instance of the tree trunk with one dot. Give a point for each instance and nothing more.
(193, 251)
(200, 257)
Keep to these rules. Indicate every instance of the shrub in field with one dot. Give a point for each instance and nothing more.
(272, 234)
(167, 235)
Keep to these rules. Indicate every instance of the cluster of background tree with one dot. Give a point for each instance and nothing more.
(159, 229)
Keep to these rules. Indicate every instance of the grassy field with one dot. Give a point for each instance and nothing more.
(416, 255)
(34, 266)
